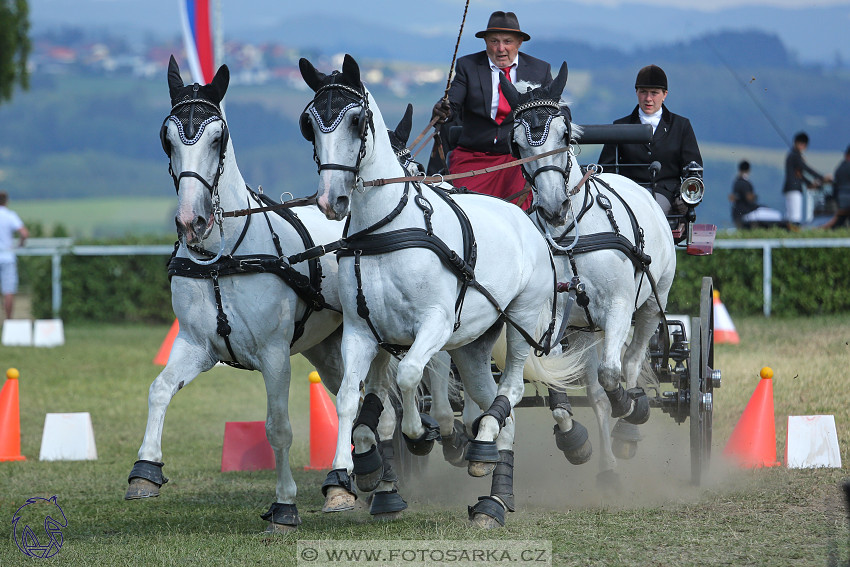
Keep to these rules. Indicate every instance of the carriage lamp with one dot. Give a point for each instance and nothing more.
(692, 189)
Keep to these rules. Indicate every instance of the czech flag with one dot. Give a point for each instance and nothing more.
(197, 36)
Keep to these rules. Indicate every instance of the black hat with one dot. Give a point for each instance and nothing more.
(504, 22)
(651, 76)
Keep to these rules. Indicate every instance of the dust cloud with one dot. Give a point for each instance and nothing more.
(659, 473)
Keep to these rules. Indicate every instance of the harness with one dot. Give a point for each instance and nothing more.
(536, 116)
(365, 242)
(308, 288)
(327, 109)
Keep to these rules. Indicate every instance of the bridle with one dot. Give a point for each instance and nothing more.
(532, 121)
(190, 138)
(333, 93)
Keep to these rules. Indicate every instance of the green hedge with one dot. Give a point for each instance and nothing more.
(102, 288)
(806, 281)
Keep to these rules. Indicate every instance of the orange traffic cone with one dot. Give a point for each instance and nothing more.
(324, 425)
(10, 419)
(724, 329)
(165, 350)
(753, 441)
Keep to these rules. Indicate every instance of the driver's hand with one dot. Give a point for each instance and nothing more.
(442, 111)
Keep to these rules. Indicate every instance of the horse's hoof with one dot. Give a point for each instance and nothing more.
(455, 445)
(141, 488)
(484, 522)
(575, 443)
(479, 469)
(280, 528)
(369, 482)
(338, 499)
(387, 505)
(609, 481)
(640, 411)
(368, 469)
(623, 449)
(489, 513)
(423, 445)
(624, 439)
(483, 451)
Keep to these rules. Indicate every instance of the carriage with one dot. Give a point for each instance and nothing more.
(681, 353)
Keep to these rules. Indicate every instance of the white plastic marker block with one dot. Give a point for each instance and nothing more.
(17, 332)
(68, 437)
(812, 442)
(48, 333)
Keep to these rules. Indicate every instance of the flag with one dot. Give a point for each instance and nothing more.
(197, 37)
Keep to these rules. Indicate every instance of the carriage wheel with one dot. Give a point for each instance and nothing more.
(700, 369)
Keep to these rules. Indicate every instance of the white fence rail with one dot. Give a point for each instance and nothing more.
(58, 247)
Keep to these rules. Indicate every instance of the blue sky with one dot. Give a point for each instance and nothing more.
(815, 29)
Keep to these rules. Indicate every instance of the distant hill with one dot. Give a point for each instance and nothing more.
(72, 136)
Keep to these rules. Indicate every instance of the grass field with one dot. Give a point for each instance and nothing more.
(769, 516)
(101, 217)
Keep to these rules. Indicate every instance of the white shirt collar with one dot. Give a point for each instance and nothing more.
(652, 119)
(496, 69)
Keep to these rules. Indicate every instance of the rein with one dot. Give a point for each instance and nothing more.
(442, 178)
(448, 85)
(299, 202)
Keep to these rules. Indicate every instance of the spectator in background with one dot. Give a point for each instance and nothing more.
(746, 212)
(797, 175)
(841, 192)
(10, 225)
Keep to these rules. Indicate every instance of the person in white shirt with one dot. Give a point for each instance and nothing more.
(10, 226)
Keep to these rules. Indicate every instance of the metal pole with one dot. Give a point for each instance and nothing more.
(767, 275)
(218, 39)
(57, 283)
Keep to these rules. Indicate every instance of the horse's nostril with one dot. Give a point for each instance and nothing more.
(342, 203)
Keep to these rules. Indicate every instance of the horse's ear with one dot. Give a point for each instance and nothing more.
(311, 76)
(221, 81)
(406, 123)
(509, 90)
(560, 81)
(351, 69)
(175, 81)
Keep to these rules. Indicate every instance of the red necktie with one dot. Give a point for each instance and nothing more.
(504, 108)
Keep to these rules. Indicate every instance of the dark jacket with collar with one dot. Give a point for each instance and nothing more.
(471, 97)
(673, 145)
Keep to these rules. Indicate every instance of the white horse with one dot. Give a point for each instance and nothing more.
(611, 238)
(242, 296)
(422, 272)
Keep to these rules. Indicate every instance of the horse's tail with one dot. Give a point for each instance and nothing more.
(564, 366)
(561, 368)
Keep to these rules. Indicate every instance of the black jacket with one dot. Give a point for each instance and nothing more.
(797, 172)
(471, 97)
(674, 145)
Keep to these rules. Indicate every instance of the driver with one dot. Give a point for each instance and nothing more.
(476, 104)
(673, 144)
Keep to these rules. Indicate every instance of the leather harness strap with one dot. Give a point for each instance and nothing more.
(308, 288)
